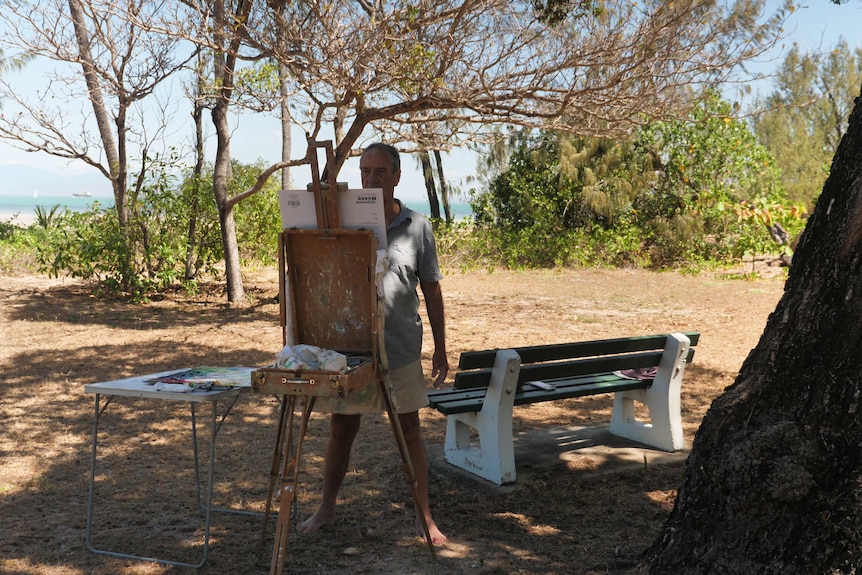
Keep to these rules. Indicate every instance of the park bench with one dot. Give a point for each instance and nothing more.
(490, 383)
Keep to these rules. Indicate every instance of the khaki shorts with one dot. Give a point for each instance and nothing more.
(407, 384)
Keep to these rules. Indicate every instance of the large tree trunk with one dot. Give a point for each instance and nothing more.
(221, 176)
(100, 112)
(224, 67)
(114, 148)
(774, 480)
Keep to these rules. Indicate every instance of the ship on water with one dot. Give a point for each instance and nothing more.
(85, 194)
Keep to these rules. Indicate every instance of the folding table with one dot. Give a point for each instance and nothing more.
(139, 388)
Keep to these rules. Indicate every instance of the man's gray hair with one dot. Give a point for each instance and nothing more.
(391, 150)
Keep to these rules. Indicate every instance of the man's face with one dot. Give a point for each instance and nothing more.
(375, 166)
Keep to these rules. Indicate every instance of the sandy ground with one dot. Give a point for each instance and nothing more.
(562, 516)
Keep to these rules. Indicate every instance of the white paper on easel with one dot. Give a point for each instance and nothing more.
(363, 208)
(358, 209)
(297, 209)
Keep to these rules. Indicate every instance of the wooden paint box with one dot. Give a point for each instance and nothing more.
(328, 293)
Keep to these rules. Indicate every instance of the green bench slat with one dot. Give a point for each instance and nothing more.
(606, 383)
(541, 371)
(463, 401)
(536, 353)
(451, 401)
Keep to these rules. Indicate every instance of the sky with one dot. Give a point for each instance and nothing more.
(815, 26)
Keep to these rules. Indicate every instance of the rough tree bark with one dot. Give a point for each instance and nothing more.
(444, 188)
(774, 480)
(115, 160)
(430, 186)
(225, 69)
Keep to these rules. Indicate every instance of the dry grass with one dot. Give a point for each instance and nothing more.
(561, 516)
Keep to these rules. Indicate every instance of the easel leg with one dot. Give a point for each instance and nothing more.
(289, 480)
(276, 463)
(407, 464)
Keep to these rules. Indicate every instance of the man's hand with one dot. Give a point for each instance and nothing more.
(439, 368)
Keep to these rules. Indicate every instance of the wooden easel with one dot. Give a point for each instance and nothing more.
(328, 297)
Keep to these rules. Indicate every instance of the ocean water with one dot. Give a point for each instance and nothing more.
(460, 210)
(24, 206)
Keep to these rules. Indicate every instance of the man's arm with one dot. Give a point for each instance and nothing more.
(434, 306)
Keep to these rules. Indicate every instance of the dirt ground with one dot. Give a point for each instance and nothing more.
(560, 517)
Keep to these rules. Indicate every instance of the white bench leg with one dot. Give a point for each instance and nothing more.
(494, 458)
(662, 398)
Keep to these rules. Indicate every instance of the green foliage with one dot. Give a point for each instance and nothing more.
(562, 201)
(676, 194)
(201, 231)
(8, 228)
(17, 249)
(516, 198)
(609, 174)
(46, 218)
(145, 255)
(260, 78)
(258, 219)
(709, 164)
(806, 115)
(86, 245)
(418, 61)
(157, 221)
(172, 235)
(554, 12)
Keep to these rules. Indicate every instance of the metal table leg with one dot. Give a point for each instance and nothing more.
(209, 489)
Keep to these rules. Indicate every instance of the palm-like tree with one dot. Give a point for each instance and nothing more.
(46, 218)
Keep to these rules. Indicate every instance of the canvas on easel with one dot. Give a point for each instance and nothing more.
(330, 262)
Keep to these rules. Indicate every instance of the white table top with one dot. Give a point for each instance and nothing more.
(138, 387)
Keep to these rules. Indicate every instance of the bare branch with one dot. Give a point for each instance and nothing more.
(104, 59)
(482, 62)
(263, 177)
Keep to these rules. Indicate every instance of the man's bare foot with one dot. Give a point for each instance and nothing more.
(320, 519)
(437, 537)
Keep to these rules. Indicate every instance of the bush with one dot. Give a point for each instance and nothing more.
(677, 194)
(17, 249)
(172, 235)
